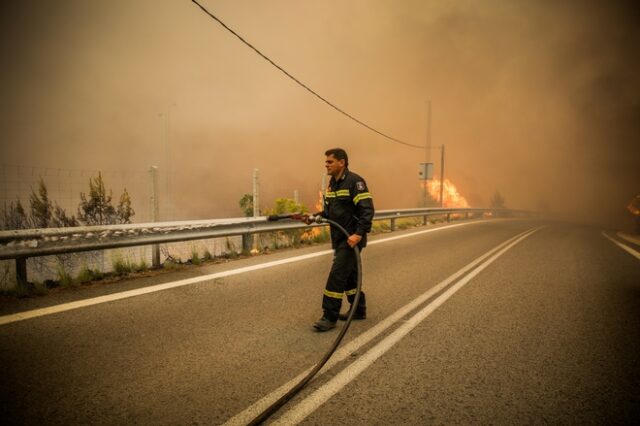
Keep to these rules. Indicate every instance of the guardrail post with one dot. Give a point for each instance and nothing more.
(448, 217)
(247, 243)
(155, 213)
(468, 215)
(21, 271)
(425, 220)
(392, 225)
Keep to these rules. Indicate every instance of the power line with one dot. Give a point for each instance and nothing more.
(266, 58)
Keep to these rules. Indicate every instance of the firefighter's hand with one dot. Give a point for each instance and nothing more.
(308, 219)
(353, 240)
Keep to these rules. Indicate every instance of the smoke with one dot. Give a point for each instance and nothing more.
(536, 101)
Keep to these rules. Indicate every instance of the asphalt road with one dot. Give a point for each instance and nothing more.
(540, 329)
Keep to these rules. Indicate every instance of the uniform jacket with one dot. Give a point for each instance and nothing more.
(349, 203)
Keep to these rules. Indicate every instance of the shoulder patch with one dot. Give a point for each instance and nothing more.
(360, 186)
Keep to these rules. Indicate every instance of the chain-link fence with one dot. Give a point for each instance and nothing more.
(65, 185)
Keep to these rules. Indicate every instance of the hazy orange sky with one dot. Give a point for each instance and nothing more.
(537, 100)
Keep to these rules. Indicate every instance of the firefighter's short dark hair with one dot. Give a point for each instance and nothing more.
(339, 154)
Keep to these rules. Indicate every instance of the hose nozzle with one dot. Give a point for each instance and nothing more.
(274, 217)
(308, 219)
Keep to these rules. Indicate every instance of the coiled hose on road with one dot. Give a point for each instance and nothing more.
(264, 415)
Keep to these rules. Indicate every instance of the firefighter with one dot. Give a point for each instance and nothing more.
(348, 202)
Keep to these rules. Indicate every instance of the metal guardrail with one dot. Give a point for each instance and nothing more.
(22, 244)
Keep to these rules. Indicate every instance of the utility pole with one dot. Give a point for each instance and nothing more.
(428, 144)
(442, 176)
(427, 152)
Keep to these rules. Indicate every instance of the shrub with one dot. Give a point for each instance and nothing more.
(64, 279)
(408, 223)
(142, 266)
(121, 266)
(231, 255)
(195, 258)
(171, 264)
(85, 275)
(380, 226)
(207, 256)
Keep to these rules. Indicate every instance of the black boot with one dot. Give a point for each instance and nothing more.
(324, 324)
(361, 310)
(360, 314)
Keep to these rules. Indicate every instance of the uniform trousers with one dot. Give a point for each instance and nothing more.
(343, 279)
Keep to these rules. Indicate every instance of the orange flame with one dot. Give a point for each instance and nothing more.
(452, 198)
(319, 207)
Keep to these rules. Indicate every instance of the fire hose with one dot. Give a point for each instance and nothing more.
(267, 412)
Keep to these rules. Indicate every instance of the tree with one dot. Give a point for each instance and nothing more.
(124, 210)
(45, 213)
(246, 204)
(497, 201)
(41, 206)
(97, 209)
(61, 220)
(14, 217)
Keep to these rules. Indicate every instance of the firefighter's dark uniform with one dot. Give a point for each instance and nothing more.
(348, 202)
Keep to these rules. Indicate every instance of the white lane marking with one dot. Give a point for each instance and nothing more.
(245, 416)
(633, 239)
(307, 406)
(151, 289)
(20, 316)
(624, 247)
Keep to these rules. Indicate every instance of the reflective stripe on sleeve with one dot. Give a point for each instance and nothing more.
(362, 196)
(333, 294)
(330, 195)
(351, 292)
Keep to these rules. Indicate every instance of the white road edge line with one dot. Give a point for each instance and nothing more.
(21, 316)
(248, 414)
(307, 406)
(624, 247)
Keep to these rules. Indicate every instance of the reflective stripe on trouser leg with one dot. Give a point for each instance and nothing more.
(344, 264)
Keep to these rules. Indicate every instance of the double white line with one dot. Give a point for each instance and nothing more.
(624, 247)
(305, 407)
